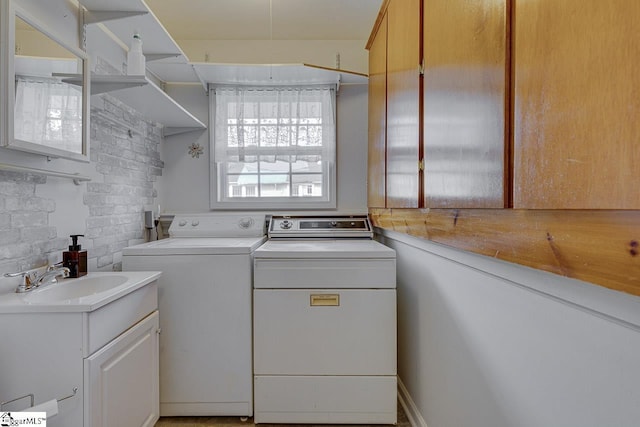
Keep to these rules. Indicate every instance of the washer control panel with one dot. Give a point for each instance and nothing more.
(205, 225)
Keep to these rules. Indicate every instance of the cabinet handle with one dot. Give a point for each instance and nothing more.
(325, 300)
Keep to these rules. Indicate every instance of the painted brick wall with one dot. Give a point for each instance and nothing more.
(125, 150)
(26, 237)
(125, 153)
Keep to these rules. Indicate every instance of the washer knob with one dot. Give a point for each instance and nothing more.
(182, 223)
(195, 223)
(245, 222)
(286, 224)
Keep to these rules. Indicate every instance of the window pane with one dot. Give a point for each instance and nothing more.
(308, 185)
(306, 166)
(242, 185)
(268, 165)
(273, 185)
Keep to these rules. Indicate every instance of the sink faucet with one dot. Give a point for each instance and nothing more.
(31, 279)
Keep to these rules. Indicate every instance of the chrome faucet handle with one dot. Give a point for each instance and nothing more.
(27, 280)
(55, 266)
(51, 275)
(17, 274)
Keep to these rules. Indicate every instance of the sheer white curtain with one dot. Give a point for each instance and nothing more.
(48, 112)
(284, 124)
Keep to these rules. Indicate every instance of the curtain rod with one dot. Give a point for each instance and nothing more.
(77, 179)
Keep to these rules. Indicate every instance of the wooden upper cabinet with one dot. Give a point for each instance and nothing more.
(377, 115)
(465, 103)
(403, 104)
(576, 104)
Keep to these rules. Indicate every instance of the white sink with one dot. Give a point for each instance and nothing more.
(73, 289)
(85, 294)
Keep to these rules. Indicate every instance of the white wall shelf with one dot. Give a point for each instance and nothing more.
(157, 44)
(164, 59)
(102, 84)
(278, 74)
(145, 97)
(154, 104)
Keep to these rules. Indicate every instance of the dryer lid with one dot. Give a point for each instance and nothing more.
(341, 249)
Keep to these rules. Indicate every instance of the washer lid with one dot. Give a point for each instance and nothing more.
(330, 248)
(197, 246)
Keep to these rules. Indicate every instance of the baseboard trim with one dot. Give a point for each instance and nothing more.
(413, 414)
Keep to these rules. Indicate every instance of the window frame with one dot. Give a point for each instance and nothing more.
(219, 184)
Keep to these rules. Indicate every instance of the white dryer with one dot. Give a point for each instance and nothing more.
(205, 311)
(324, 324)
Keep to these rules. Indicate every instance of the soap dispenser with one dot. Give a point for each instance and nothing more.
(75, 259)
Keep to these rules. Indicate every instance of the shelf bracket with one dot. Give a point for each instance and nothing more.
(95, 16)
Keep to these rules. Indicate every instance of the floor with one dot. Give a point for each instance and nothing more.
(236, 422)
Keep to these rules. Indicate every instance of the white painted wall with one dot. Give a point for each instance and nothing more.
(185, 179)
(485, 343)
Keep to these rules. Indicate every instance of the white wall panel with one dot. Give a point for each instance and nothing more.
(487, 343)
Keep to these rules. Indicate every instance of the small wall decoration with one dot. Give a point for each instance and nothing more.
(195, 150)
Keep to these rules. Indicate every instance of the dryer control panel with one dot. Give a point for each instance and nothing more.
(320, 227)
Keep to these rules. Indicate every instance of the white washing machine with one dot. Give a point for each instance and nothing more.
(324, 324)
(205, 311)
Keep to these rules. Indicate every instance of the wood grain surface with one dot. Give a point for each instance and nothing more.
(403, 103)
(376, 182)
(576, 104)
(597, 246)
(465, 103)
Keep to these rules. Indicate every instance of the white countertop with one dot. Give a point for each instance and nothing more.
(12, 302)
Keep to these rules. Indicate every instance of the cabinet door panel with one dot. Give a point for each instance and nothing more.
(464, 103)
(577, 100)
(378, 117)
(403, 103)
(122, 379)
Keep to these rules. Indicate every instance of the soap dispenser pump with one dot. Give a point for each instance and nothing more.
(75, 259)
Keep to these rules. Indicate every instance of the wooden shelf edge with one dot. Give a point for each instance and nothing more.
(596, 246)
(376, 25)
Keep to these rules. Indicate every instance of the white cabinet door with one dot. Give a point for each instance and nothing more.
(121, 379)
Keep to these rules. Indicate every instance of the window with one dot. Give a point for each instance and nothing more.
(273, 147)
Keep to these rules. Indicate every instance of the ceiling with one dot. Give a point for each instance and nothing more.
(267, 19)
